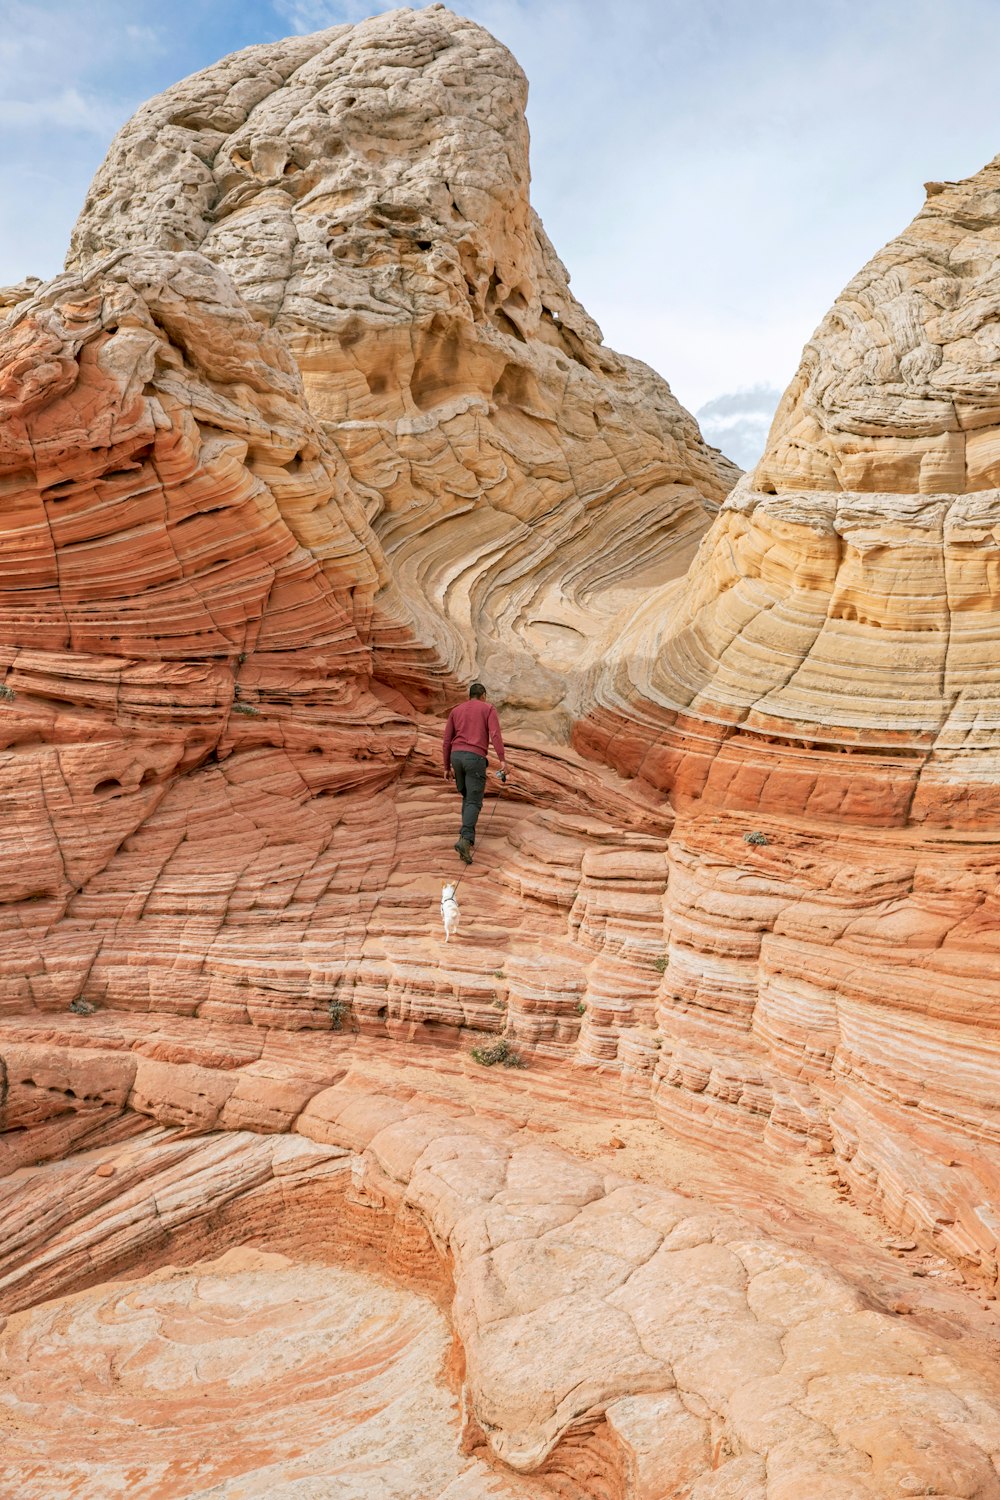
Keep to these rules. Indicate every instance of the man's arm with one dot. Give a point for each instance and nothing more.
(449, 735)
(493, 725)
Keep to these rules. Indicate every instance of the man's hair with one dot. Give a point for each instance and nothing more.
(477, 690)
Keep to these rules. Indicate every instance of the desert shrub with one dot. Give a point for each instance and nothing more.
(499, 1051)
(249, 709)
(81, 1007)
(755, 837)
(660, 964)
(7, 694)
(337, 1011)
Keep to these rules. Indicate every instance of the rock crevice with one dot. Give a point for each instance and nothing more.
(311, 431)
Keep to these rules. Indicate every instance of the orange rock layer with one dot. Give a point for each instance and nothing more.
(616, 1338)
(287, 458)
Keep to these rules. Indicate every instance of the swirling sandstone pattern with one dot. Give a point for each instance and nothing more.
(618, 1338)
(367, 190)
(311, 430)
(245, 1376)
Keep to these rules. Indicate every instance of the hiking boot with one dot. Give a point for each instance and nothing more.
(464, 851)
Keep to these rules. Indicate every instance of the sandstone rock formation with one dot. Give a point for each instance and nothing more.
(825, 682)
(367, 190)
(310, 431)
(358, 1394)
(614, 1337)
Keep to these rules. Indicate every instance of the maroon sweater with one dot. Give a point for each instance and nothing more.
(470, 726)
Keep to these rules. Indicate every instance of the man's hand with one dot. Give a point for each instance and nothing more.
(449, 774)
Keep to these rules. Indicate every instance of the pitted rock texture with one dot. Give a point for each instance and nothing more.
(367, 190)
(897, 389)
(310, 432)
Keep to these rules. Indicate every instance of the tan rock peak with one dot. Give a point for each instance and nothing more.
(367, 190)
(379, 169)
(899, 387)
(846, 598)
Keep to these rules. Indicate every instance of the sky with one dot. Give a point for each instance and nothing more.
(712, 172)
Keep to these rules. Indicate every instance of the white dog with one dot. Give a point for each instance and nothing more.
(449, 911)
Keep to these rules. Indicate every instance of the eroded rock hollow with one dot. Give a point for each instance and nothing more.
(310, 432)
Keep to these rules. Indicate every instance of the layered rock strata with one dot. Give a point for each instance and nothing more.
(209, 1393)
(367, 190)
(617, 1338)
(824, 685)
(312, 430)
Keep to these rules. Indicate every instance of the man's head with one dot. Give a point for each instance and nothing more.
(477, 690)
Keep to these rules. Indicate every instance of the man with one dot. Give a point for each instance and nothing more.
(466, 749)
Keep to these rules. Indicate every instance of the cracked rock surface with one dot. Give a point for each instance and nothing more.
(310, 432)
(616, 1336)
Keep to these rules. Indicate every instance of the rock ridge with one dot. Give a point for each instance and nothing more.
(311, 431)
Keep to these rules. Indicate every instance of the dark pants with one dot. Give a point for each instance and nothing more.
(470, 778)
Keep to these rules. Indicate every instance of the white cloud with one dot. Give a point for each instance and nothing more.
(70, 75)
(711, 173)
(68, 109)
(305, 16)
(146, 36)
(738, 422)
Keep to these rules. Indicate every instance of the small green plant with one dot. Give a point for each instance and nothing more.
(7, 694)
(660, 964)
(499, 974)
(81, 1007)
(499, 1004)
(246, 708)
(499, 1051)
(580, 1008)
(337, 1011)
(755, 837)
